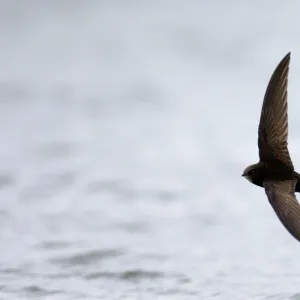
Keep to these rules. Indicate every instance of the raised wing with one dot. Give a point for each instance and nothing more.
(281, 195)
(273, 126)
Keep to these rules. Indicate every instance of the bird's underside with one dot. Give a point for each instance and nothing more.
(296, 176)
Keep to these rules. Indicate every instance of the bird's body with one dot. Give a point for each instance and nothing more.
(278, 172)
(275, 171)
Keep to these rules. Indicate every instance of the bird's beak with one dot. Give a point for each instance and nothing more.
(243, 175)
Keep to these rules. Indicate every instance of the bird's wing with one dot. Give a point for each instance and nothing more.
(273, 125)
(281, 195)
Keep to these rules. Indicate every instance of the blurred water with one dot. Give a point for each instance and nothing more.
(125, 126)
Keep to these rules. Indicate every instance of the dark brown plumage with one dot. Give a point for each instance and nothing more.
(281, 195)
(275, 170)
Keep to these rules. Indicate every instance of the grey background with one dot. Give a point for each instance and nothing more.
(125, 127)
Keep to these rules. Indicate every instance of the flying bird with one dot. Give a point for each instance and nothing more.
(275, 171)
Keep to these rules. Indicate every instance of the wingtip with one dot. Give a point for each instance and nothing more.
(287, 56)
(284, 63)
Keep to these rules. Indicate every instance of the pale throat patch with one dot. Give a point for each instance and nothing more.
(248, 178)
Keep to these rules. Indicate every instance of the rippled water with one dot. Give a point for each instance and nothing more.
(125, 126)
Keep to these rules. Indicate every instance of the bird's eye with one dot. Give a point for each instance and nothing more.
(251, 172)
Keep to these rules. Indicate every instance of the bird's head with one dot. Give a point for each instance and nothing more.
(251, 173)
